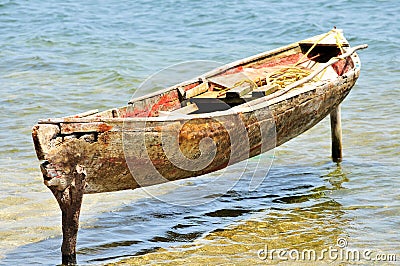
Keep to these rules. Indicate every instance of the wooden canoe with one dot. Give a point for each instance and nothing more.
(236, 109)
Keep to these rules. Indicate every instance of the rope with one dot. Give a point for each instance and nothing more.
(289, 74)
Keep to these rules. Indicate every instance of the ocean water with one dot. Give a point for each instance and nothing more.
(59, 58)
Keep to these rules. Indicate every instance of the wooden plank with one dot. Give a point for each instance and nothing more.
(203, 87)
(71, 128)
(240, 83)
(228, 81)
(241, 90)
(265, 90)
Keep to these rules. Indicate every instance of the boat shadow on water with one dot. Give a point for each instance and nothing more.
(292, 208)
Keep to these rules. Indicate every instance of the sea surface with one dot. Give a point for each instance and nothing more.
(59, 58)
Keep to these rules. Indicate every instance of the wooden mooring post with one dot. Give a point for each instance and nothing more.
(336, 135)
(70, 202)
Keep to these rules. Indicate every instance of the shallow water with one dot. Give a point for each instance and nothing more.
(62, 58)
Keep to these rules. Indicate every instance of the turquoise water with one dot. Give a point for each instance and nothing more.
(60, 58)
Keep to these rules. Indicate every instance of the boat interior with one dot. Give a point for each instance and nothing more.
(236, 83)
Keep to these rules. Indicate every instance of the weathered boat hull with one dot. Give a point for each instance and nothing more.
(120, 154)
(136, 145)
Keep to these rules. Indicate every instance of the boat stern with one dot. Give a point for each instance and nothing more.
(44, 138)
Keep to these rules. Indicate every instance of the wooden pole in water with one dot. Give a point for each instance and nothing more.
(70, 202)
(336, 135)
